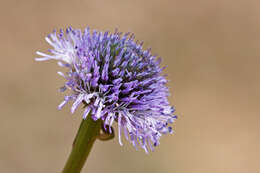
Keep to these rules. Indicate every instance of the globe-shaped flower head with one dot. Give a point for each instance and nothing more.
(116, 81)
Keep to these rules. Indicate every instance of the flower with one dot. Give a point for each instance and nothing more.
(115, 80)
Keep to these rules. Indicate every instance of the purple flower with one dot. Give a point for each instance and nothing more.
(116, 80)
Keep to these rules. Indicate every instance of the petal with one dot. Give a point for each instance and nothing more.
(77, 102)
(119, 129)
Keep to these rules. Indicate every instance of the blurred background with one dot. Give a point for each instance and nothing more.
(211, 48)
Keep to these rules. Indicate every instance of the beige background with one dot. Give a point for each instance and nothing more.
(211, 47)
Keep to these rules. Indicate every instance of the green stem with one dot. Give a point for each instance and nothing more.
(86, 136)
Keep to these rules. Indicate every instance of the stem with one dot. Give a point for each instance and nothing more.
(86, 136)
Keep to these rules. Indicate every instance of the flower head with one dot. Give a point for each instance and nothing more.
(115, 80)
